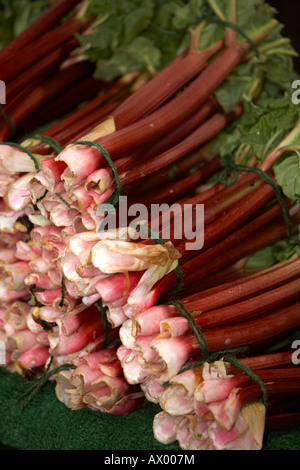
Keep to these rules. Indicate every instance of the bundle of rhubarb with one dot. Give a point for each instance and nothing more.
(150, 227)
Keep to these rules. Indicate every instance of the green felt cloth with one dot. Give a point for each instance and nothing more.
(47, 424)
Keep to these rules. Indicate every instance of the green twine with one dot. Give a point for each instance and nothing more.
(61, 303)
(154, 235)
(8, 120)
(238, 30)
(39, 383)
(197, 331)
(236, 363)
(18, 146)
(234, 168)
(114, 199)
(105, 321)
(50, 142)
(63, 200)
(209, 15)
(215, 356)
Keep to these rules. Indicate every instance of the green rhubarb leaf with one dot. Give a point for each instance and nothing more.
(284, 67)
(134, 24)
(236, 86)
(104, 38)
(167, 25)
(182, 17)
(261, 259)
(287, 174)
(251, 16)
(262, 126)
(287, 248)
(210, 34)
(132, 35)
(140, 54)
(17, 15)
(280, 251)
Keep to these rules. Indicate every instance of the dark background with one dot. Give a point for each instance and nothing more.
(289, 16)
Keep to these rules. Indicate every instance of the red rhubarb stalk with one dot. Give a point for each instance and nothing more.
(29, 55)
(257, 305)
(242, 289)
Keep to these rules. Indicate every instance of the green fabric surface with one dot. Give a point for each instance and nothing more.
(47, 424)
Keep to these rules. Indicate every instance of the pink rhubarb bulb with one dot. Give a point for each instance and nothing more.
(100, 180)
(203, 410)
(194, 433)
(82, 160)
(18, 194)
(246, 433)
(9, 220)
(72, 385)
(114, 256)
(81, 244)
(14, 160)
(153, 261)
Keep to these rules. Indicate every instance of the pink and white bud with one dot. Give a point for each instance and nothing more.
(39, 265)
(16, 274)
(61, 344)
(5, 182)
(100, 180)
(82, 197)
(72, 385)
(62, 216)
(192, 433)
(8, 220)
(134, 368)
(40, 281)
(165, 426)
(115, 316)
(247, 432)
(81, 245)
(178, 397)
(215, 389)
(83, 160)
(125, 333)
(148, 322)
(13, 160)
(141, 297)
(106, 360)
(113, 256)
(19, 193)
(17, 313)
(225, 412)
(50, 173)
(176, 326)
(7, 295)
(116, 286)
(127, 404)
(21, 341)
(105, 392)
(153, 389)
(40, 234)
(27, 252)
(173, 353)
(34, 357)
(8, 255)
